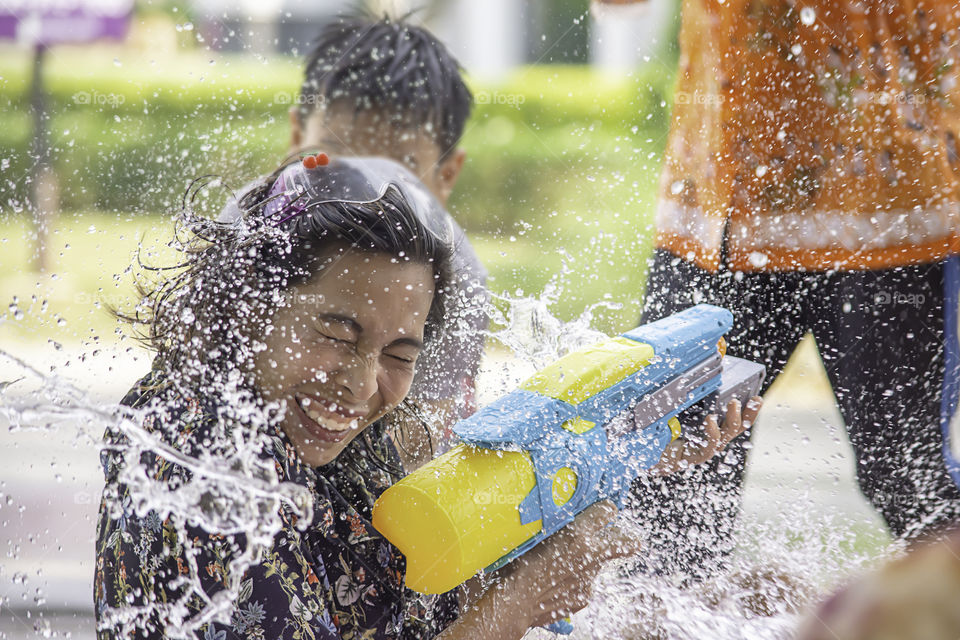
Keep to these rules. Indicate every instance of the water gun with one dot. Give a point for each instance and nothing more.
(578, 431)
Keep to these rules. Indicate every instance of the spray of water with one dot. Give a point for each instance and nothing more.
(529, 329)
(232, 490)
(780, 567)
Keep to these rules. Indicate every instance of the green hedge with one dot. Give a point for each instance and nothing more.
(128, 138)
(559, 183)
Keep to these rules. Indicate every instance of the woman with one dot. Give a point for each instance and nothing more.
(303, 322)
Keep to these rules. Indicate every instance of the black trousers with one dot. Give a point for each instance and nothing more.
(881, 338)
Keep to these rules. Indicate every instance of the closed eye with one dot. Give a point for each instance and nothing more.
(330, 326)
(335, 339)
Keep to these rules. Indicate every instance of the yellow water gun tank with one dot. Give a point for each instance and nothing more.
(425, 514)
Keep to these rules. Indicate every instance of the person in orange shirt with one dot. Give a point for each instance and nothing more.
(811, 184)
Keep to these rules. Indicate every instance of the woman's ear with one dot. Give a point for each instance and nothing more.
(448, 171)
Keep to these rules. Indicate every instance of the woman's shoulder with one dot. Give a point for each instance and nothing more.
(164, 414)
(159, 393)
(144, 389)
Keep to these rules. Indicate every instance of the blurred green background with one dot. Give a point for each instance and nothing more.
(560, 180)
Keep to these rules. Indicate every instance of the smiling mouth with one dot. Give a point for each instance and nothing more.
(329, 417)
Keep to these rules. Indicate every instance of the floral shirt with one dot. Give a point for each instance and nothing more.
(339, 579)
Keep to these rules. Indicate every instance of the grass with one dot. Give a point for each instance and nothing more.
(90, 255)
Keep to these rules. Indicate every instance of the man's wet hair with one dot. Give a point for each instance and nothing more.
(390, 65)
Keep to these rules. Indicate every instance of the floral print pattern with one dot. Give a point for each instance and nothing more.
(339, 579)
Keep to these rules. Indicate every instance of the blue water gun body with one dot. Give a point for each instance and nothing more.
(605, 461)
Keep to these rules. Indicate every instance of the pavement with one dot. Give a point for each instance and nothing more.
(50, 479)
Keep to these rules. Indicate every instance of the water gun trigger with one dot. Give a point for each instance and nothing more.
(676, 429)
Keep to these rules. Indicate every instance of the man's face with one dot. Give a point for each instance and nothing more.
(342, 353)
(338, 129)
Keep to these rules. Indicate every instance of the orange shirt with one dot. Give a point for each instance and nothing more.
(814, 134)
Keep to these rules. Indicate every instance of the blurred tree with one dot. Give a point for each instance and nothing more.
(559, 32)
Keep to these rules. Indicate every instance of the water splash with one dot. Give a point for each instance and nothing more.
(780, 569)
(528, 327)
(232, 489)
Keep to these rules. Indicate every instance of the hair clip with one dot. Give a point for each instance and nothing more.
(319, 160)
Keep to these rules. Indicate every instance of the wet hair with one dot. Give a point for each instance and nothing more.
(205, 316)
(390, 65)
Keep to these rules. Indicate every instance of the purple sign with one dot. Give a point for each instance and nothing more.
(47, 22)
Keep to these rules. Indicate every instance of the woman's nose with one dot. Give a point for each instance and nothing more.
(358, 376)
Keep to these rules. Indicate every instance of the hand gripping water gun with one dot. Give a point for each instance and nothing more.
(578, 431)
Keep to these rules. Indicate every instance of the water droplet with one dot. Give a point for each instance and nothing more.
(758, 259)
(808, 16)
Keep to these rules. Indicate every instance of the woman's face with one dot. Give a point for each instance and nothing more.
(341, 354)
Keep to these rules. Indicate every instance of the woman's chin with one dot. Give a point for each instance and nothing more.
(314, 451)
